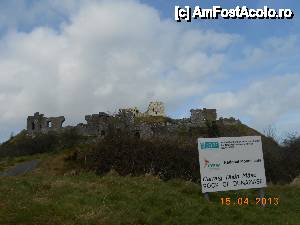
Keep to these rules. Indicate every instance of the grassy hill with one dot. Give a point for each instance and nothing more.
(55, 194)
(122, 180)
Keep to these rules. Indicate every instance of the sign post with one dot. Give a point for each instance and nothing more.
(261, 196)
(206, 196)
(231, 163)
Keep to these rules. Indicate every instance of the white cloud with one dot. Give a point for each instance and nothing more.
(276, 52)
(110, 55)
(263, 101)
(16, 14)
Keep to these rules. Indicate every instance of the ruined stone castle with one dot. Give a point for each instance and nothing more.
(153, 122)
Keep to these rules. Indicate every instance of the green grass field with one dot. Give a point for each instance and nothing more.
(51, 195)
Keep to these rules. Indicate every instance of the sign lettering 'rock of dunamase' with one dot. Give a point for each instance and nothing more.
(231, 163)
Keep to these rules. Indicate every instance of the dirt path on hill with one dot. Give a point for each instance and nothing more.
(21, 168)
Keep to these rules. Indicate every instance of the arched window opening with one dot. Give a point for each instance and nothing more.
(137, 134)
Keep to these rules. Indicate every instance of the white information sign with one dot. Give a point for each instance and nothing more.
(231, 163)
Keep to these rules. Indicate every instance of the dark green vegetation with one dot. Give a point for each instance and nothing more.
(178, 158)
(54, 194)
(132, 156)
(23, 144)
(166, 158)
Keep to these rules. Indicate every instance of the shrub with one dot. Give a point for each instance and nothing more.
(24, 144)
(282, 163)
(275, 170)
(133, 156)
(291, 158)
(169, 158)
(213, 129)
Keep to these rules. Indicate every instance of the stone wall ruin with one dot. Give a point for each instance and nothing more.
(38, 123)
(131, 121)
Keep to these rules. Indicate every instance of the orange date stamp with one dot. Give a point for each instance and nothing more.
(245, 201)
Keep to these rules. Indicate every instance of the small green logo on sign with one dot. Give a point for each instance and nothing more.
(206, 145)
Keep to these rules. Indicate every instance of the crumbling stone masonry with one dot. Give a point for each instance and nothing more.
(38, 123)
(156, 109)
(152, 123)
(201, 116)
(135, 111)
(229, 121)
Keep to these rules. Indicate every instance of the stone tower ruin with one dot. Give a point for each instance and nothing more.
(38, 123)
(156, 109)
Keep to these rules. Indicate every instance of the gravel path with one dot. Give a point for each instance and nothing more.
(21, 168)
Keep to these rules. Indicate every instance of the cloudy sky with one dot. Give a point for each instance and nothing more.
(76, 57)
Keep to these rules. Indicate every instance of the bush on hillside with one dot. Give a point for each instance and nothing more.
(174, 158)
(24, 144)
(282, 163)
(132, 156)
(291, 157)
(273, 157)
